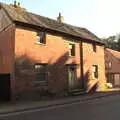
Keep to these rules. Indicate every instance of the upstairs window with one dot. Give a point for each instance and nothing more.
(41, 37)
(94, 47)
(71, 49)
(108, 64)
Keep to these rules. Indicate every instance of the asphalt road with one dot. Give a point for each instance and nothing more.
(100, 109)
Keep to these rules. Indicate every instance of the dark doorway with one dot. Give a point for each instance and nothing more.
(4, 87)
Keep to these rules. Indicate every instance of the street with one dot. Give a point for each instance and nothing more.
(107, 108)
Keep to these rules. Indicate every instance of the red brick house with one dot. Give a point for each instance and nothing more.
(112, 67)
(41, 54)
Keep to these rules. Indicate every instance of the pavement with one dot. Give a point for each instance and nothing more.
(12, 107)
(105, 108)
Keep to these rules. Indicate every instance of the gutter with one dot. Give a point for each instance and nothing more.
(77, 37)
(51, 30)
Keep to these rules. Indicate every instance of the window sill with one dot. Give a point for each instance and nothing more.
(71, 56)
(94, 78)
(40, 83)
(38, 43)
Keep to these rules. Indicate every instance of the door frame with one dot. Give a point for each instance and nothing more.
(72, 83)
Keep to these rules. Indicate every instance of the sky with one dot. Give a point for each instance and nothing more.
(102, 17)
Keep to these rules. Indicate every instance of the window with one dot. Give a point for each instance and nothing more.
(71, 49)
(41, 37)
(95, 71)
(108, 64)
(41, 74)
(94, 47)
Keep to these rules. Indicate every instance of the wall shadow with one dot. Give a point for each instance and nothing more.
(57, 76)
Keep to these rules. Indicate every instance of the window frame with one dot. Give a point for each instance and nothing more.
(41, 39)
(37, 72)
(108, 64)
(95, 73)
(94, 47)
(72, 73)
(72, 50)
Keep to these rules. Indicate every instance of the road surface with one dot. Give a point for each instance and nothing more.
(99, 109)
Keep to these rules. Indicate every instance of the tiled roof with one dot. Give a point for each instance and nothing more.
(22, 15)
(114, 53)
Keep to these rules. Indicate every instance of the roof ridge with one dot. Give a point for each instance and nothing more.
(1, 4)
(37, 20)
(113, 50)
(113, 53)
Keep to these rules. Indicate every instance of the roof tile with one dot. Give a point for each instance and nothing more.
(22, 15)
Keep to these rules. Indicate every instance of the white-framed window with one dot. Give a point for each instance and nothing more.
(41, 37)
(71, 49)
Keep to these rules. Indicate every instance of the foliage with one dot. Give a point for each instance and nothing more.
(112, 42)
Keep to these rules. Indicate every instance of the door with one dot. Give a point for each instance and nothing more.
(72, 77)
(4, 87)
(116, 80)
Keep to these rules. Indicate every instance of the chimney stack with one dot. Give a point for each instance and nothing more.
(60, 18)
(16, 5)
(19, 4)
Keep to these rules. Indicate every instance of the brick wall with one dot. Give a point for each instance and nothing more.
(94, 58)
(112, 68)
(115, 64)
(7, 53)
(54, 52)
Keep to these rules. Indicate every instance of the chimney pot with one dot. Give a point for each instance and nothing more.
(60, 18)
(16, 5)
(19, 4)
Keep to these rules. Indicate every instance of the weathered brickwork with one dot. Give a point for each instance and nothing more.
(7, 46)
(112, 67)
(54, 53)
(19, 53)
(94, 58)
(22, 53)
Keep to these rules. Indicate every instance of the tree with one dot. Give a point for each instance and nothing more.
(118, 43)
(111, 42)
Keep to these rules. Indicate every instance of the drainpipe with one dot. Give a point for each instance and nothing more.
(81, 65)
